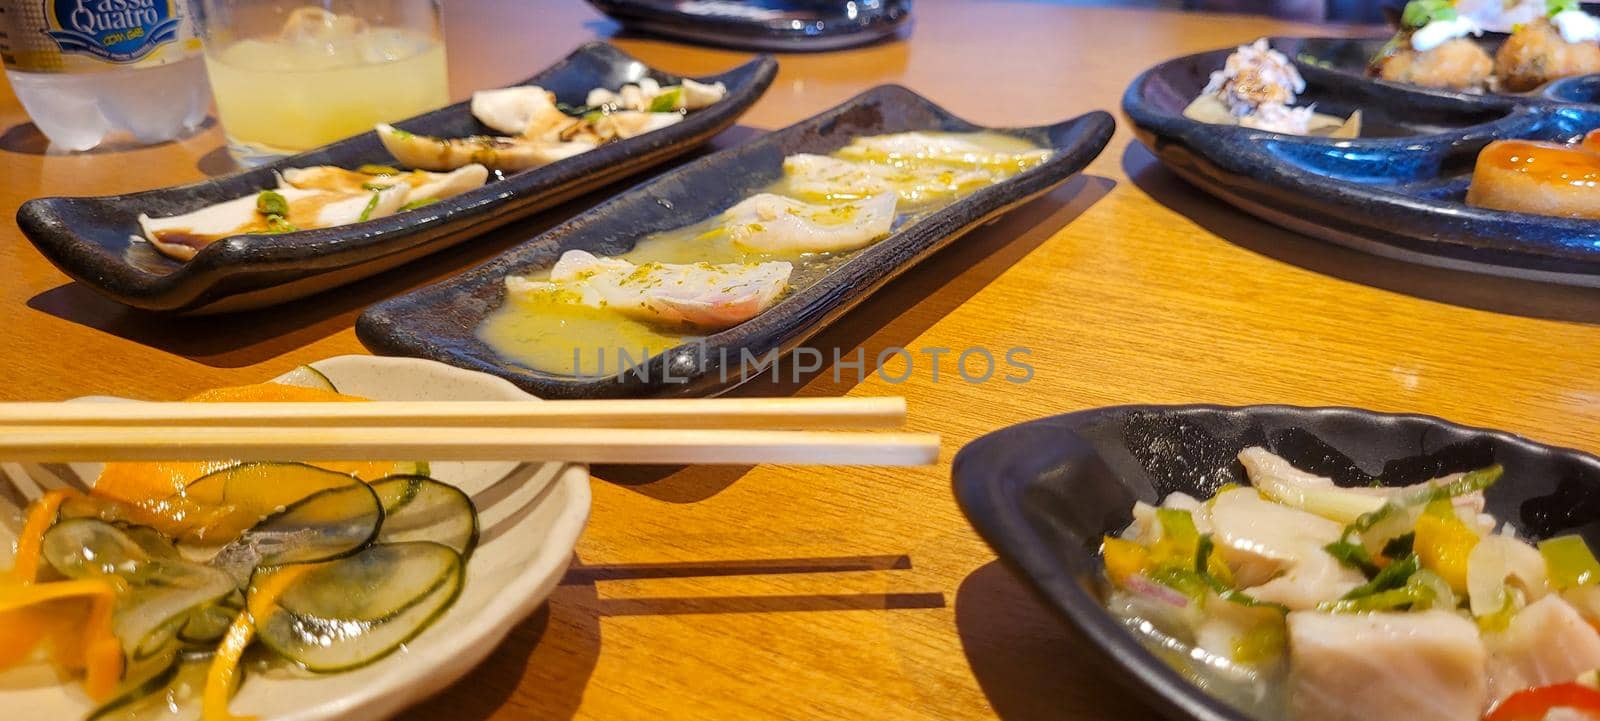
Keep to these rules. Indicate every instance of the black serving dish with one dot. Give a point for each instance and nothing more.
(438, 322)
(1399, 190)
(1043, 493)
(773, 25)
(96, 240)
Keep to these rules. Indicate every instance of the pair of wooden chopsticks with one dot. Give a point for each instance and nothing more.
(738, 430)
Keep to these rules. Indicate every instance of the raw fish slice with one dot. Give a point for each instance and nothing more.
(526, 110)
(184, 235)
(1276, 551)
(627, 123)
(495, 153)
(1263, 466)
(826, 178)
(1548, 642)
(775, 224)
(423, 185)
(691, 95)
(701, 294)
(1418, 666)
(948, 149)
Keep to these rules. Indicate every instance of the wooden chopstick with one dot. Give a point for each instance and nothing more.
(734, 413)
(57, 444)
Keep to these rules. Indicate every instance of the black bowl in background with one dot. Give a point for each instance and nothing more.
(767, 25)
(1043, 493)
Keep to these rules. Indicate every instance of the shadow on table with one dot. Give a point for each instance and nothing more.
(543, 667)
(1029, 664)
(240, 339)
(1473, 290)
(27, 139)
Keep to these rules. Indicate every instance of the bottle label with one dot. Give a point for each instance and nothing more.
(69, 36)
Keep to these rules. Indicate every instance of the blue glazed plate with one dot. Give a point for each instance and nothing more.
(1399, 190)
(1043, 493)
(96, 240)
(438, 322)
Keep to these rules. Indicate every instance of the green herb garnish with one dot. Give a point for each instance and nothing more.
(278, 224)
(372, 204)
(668, 101)
(372, 169)
(413, 205)
(270, 202)
(1353, 555)
(1419, 13)
(375, 186)
(1553, 7)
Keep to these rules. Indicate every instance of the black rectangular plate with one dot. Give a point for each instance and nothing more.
(95, 240)
(439, 321)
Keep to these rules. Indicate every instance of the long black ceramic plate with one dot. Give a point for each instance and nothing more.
(438, 321)
(777, 25)
(95, 240)
(1396, 192)
(1043, 494)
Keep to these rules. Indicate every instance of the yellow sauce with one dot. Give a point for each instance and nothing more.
(547, 335)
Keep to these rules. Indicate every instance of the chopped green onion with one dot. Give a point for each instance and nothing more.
(1570, 561)
(1419, 13)
(278, 224)
(1353, 555)
(668, 101)
(1390, 578)
(372, 169)
(270, 202)
(1182, 580)
(413, 205)
(375, 186)
(372, 204)
(1553, 7)
(1400, 546)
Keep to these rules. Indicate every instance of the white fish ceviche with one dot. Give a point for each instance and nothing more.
(1294, 598)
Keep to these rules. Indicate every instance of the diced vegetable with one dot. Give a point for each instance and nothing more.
(1570, 562)
(1444, 543)
(1532, 704)
(668, 100)
(1124, 559)
(358, 609)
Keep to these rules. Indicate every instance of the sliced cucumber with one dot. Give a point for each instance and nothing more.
(358, 609)
(431, 511)
(169, 694)
(306, 377)
(324, 526)
(207, 624)
(230, 501)
(161, 592)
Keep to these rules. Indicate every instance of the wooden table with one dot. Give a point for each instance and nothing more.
(863, 594)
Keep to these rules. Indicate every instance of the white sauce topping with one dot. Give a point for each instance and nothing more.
(1440, 32)
(1576, 26)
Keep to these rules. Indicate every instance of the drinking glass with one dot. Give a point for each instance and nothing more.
(289, 75)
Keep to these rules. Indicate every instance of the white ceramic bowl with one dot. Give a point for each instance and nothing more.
(530, 517)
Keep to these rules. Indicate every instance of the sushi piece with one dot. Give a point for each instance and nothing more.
(1565, 44)
(1528, 176)
(704, 295)
(1419, 666)
(422, 186)
(273, 211)
(1433, 49)
(776, 224)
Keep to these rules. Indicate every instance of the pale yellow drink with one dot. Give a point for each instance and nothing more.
(280, 96)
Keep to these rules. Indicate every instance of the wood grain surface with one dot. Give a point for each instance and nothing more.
(800, 593)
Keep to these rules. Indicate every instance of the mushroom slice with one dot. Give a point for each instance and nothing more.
(494, 153)
(697, 95)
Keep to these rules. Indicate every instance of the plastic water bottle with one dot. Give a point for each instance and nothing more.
(87, 70)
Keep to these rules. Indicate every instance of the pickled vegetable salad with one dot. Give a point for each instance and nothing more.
(1299, 599)
(159, 601)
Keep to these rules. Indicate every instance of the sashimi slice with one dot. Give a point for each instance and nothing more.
(702, 294)
(182, 236)
(821, 177)
(1418, 666)
(776, 224)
